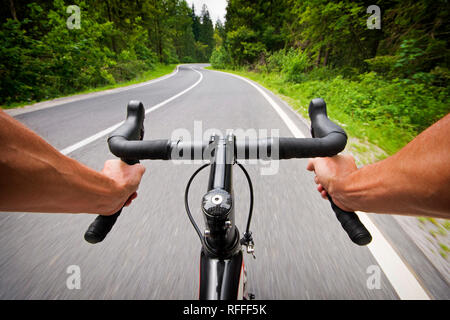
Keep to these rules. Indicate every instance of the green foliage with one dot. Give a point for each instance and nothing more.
(243, 45)
(201, 51)
(220, 58)
(263, 19)
(412, 39)
(41, 58)
(206, 32)
(384, 112)
(295, 63)
(385, 85)
(15, 48)
(383, 64)
(411, 107)
(408, 58)
(276, 61)
(143, 53)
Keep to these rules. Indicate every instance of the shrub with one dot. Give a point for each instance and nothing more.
(127, 70)
(243, 46)
(187, 59)
(292, 63)
(295, 64)
(409, 106)
(275, 61)
(220, 58)
(382, 64)
(145, 54)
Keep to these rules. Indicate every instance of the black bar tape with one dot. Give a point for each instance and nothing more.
(100, 227)
(352, 225)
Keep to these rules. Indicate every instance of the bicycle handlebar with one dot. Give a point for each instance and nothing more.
(328, 140)
(321, 126)
(133, 129)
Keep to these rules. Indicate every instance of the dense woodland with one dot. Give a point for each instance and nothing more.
(395, 77)
(40, 57)
(391, 78)
(335, 33)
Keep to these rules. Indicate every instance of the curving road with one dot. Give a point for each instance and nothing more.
(153, 251)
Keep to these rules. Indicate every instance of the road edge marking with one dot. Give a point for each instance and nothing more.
(103, 133)
(399, 274)
(84, 96)
(288, 122)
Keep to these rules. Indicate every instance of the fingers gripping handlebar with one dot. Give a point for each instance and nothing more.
(328, 140)
(321, 126)
(132, 129)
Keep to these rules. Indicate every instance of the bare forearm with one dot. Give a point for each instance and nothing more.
(36, 177)
(415, 181)
(381, 188)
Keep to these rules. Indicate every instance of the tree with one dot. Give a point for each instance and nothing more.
(118, 41)
(195, 24)
(206, 32)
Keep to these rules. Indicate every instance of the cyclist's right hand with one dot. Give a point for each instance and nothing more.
(126, 180)
(330, 173)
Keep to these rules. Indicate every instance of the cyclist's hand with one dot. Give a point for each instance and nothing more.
(329, 173)
(126, 178)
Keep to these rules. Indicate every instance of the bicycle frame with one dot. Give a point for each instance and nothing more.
(222, 271)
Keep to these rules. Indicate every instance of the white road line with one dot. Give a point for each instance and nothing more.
(92, 138)
(79, 97)
(177, 95)
(398, 273)
(290, 124)
(103, 133)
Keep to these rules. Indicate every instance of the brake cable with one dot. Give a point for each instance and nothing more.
(186, 202)
(247, 239)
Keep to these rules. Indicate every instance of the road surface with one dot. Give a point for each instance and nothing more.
(153, 251)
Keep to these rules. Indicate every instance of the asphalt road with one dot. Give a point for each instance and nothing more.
(153, 251)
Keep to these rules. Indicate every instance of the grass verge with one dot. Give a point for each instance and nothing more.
(159, 71)
(364, 142)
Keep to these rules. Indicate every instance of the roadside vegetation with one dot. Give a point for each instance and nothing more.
(383, 85)
(157, 71)
(44, 54)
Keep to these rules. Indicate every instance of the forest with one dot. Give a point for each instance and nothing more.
(383, 74)
(44, 54)
(384, 84)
